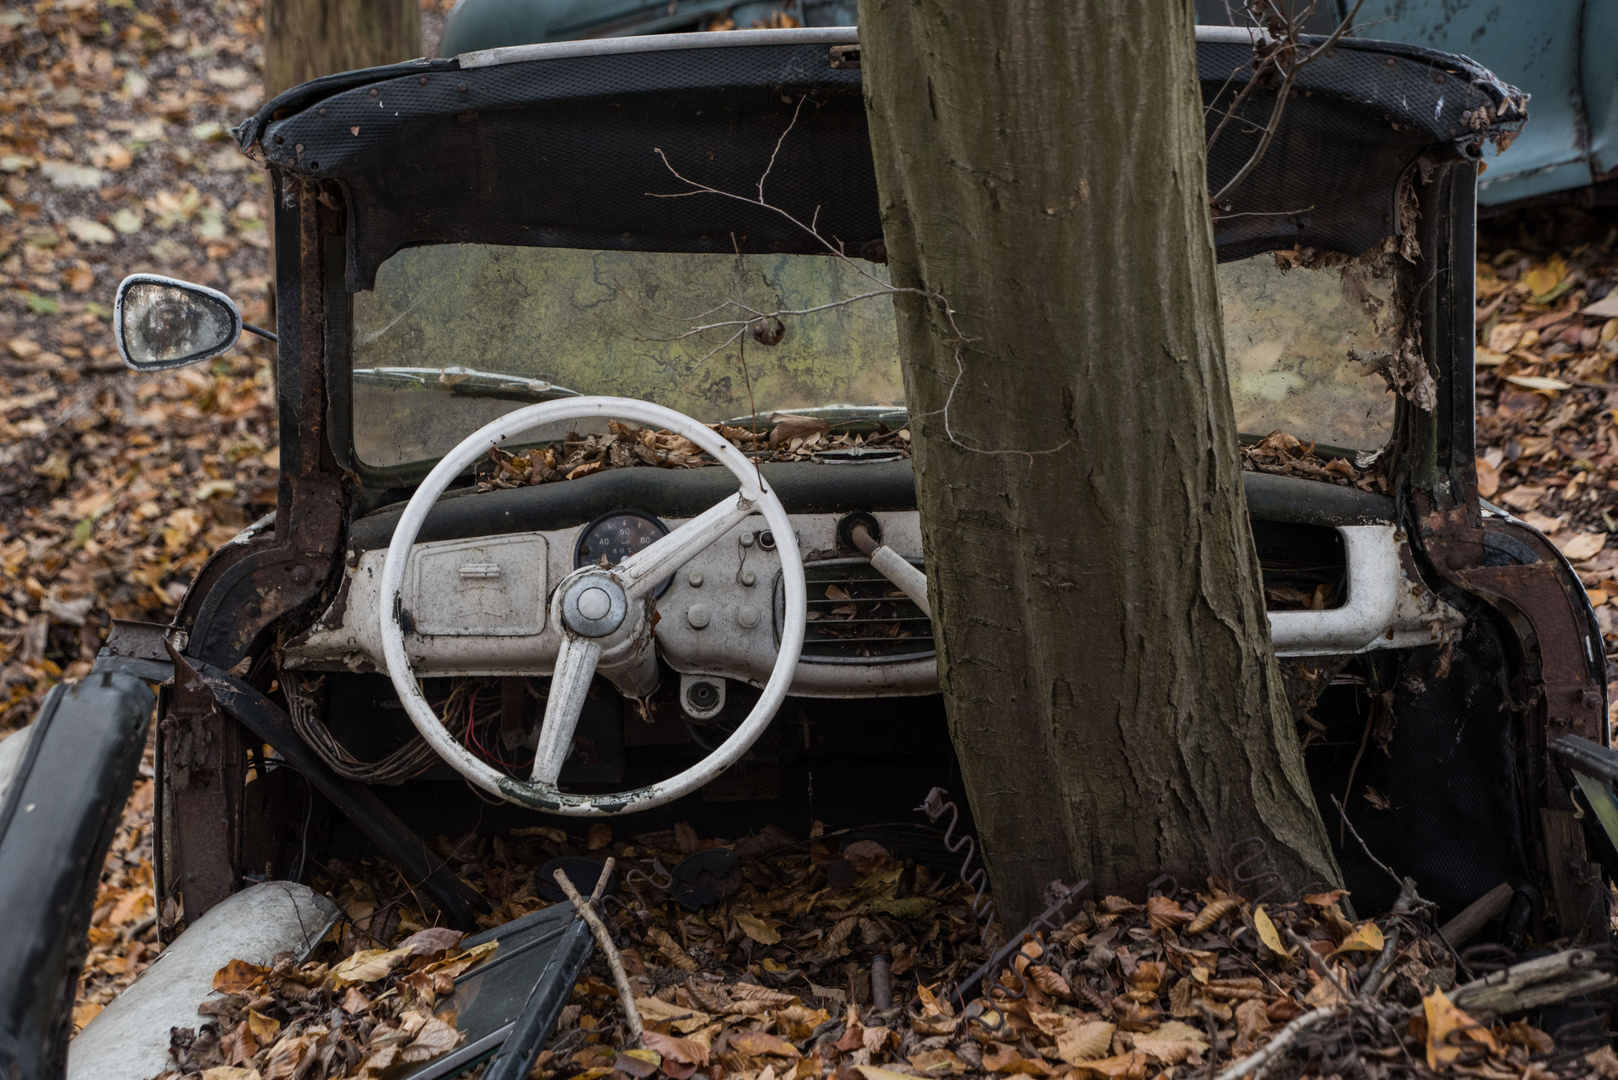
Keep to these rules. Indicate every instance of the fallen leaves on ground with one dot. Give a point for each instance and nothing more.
(1122, 990)
(114, 158)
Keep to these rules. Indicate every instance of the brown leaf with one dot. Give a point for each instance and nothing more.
(238, 1045)
(237, 976)
(757, 929)
(683, 1051)
(1252, 1021)
(1212, 913)
(1172, 1043)
(1050, 981)
(637, 1063)
(1165, 914)
(760, 1044)
(1447, 1027)
(367, 965)
(435, 1037)
(998, 1057)
(263, 1027)
(1084, 1041)
(431, 940)
(789, 427)
(1131, 1066)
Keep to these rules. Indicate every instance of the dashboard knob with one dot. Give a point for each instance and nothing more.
(747, 616)
(697, 615)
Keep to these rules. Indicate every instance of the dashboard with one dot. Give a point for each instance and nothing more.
(480, 606)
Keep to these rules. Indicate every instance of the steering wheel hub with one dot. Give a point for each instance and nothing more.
(594, 605)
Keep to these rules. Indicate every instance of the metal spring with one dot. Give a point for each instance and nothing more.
(1238, 874)
(1487, 957)
(934, 806)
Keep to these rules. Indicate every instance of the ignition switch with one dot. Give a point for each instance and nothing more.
(702, 696)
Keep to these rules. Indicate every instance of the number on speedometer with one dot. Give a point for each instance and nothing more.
(614, 537)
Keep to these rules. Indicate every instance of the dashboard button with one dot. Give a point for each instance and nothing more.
(698, 616)
(747, 616)
(695, 578)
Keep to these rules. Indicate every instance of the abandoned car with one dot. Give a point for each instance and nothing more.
(569, 528)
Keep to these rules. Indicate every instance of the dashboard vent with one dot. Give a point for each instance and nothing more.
(857, 616)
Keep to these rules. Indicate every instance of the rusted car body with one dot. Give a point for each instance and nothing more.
(448, 232)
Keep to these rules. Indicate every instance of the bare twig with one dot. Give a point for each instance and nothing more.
(1379, 967)
(1257, 1063)
(1287, 49)
(1386, 869)
(741, 326)
(1322, 968)
(626, 997)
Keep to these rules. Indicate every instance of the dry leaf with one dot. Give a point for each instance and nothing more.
(1448, 1030)
(367, 965)
(1084, 1041)
(760, 1044)
(237, 976)
(1131, 1066)
(1164, 913)
(1366, 938)
(1212, 913)
(1172, 1043)
(687, 1051)
(1268, 934)
(1538, 382)
(1581, 546)
(757, 929)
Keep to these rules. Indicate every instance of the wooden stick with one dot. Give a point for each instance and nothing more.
(1255, 1064)
(626, 997)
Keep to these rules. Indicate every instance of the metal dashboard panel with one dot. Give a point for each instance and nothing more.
(472, 588)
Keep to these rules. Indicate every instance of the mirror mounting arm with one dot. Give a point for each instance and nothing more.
(265, 334)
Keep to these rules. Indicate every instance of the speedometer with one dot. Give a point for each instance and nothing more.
(612, 538)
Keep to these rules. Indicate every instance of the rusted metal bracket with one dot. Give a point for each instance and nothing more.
(392, 837)
(1064, 907)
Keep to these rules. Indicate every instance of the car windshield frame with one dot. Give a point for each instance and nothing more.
(1438, 247)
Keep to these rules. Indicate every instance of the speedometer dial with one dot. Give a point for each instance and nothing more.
(612, 538)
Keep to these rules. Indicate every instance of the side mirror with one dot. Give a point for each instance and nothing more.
(163, 323)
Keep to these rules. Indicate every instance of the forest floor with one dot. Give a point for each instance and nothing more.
(115, 157)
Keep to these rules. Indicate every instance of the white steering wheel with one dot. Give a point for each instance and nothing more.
(604, 616)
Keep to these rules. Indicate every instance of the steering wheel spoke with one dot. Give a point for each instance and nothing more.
(643, 571)
(570, 685)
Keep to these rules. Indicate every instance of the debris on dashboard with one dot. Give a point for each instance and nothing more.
(1283, 454)
(785, 437)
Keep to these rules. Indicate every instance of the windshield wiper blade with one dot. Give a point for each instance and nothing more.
(464, 382)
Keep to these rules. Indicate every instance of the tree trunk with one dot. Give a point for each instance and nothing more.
(1103, 647)
(304, 39)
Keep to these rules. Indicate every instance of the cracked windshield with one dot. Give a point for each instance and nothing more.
(453, 336)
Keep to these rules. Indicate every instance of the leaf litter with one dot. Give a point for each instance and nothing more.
(115, 487)
(775, 981)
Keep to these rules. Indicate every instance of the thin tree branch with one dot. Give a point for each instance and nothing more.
(626, 996)
(1282, 95)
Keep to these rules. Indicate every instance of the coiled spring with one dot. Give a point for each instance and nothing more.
(935, 806)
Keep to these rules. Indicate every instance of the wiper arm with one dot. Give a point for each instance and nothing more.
(464, 382)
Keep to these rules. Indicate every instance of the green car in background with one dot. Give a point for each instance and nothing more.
(1563, 52)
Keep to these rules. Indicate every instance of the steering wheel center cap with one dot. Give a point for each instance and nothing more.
(594, 606)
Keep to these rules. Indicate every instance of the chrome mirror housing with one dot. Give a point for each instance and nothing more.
(162, 323)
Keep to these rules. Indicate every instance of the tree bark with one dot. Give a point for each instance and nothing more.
(1103, 646)
(304, 39)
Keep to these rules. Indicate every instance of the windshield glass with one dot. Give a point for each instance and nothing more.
(455, 335)
(622, 323)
